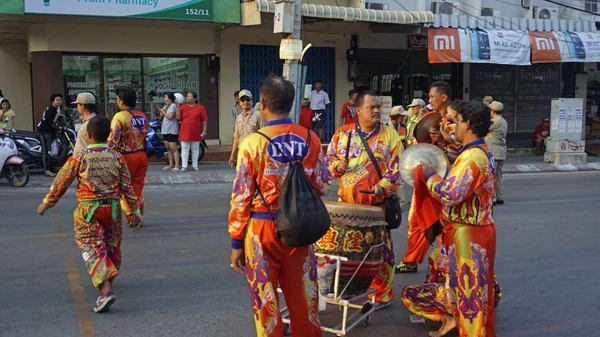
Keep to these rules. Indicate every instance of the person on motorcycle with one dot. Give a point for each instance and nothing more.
(128, 131)
(47, 130)
(86, 107)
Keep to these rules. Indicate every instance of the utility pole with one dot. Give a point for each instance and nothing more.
(288, 22)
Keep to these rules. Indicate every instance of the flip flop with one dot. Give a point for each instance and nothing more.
(166, 168)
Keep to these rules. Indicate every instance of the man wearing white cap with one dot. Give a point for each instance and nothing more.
(496, 140)
(247, 122)
(86, 106)
(414, 107)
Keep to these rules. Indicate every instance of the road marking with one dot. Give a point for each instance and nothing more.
(83, 314)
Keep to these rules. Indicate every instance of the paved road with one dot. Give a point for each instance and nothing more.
(175, 279)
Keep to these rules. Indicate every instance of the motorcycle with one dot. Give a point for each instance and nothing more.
(29, 145)
(160, 150)
(12, 167)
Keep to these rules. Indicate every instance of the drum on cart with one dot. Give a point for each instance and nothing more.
(357, 232)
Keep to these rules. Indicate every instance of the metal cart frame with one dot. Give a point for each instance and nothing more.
(364, 306)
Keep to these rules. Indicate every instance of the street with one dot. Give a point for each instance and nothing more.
(175, 278)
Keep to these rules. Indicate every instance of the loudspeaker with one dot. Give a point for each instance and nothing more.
(213, 62)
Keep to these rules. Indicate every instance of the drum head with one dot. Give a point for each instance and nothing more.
(429, 120)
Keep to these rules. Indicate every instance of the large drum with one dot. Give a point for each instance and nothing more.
(357, 232)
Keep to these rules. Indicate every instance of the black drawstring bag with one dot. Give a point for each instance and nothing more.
(302, 218)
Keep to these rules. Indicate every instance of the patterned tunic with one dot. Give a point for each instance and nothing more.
(128, 130)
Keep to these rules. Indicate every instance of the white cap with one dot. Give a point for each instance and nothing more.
(417, 102)
(246, 93)
(179, 98)
(397, 110)
(85, 98)
(496, 106)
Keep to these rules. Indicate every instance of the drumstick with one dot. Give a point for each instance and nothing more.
(366, 192)
(348, 144)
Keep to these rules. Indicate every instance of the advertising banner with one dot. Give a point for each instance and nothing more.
(465, 45)
(11, 6)
(194, 10)
(550, 47)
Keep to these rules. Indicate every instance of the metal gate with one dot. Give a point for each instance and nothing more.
(258, 61)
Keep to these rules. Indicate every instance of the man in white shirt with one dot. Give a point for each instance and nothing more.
(319, 101)
(86, 106)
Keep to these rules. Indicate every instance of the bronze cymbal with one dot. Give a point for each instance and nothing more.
(426, 153)
(428, 121)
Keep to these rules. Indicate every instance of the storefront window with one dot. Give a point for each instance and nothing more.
(164, 75)
(122, 71)
(81, 74)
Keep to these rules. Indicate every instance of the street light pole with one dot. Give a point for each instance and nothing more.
(288, 20)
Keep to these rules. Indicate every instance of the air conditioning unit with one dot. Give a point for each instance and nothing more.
(449, 8)
(546, 13)
(375, 5)
(489, 11)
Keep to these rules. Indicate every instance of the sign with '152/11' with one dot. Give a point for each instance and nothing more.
(194, 10)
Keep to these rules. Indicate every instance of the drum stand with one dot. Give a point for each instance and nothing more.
(364, 306)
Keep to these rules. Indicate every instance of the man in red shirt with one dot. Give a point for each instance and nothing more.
(306, 114)
(349, 109)
(541, 135)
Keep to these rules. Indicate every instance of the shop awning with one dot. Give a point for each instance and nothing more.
(493, 22)
(355, 14)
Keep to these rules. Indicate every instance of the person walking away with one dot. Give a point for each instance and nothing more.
(128, 131)
(170, 131)
(469, 235)
(269, 263)
(319, 101)
(103, 179)
(192, 130)
(7, 116)
(358, 172)
(47, 130)
(496, 140)
(415, 108)
(306, 114)
(86, 107)
(348, 115)
(246, 123)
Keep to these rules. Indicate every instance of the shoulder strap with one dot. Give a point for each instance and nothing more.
(369, 152)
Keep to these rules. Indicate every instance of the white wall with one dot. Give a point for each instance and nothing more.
(15, 82)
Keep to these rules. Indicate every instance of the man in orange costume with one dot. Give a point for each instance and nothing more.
(355, 172)
(440, 96)
(128, 131)
(262, 165)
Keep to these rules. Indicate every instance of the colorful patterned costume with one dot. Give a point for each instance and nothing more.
(470, 240)
(418, 245)
(103, 180)
(269, 263)
(128, 131)
(362, 175)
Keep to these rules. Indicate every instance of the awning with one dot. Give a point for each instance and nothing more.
(355, 14)
(493, 22)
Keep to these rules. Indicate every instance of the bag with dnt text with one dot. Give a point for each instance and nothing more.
(302, 218)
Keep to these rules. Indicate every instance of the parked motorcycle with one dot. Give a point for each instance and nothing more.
(12, 167)
(156, 138)
(29, 145)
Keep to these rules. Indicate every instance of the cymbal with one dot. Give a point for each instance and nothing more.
(428, 121)
(423, 152)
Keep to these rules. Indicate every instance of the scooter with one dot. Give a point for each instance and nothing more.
(29, 145)
(12, 167)
(158, 143)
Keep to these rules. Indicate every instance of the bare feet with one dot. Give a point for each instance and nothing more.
(448, 323)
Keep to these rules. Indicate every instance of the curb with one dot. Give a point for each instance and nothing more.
(535, 168)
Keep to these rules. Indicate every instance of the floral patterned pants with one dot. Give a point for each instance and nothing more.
(99, 241)
(269, 265)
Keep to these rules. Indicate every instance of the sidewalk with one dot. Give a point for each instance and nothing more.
(220, 172)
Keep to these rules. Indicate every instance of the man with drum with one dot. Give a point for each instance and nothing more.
(349, 161)
(440, 97)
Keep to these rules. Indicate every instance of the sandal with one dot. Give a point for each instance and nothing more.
(175, 169)
(166, 168)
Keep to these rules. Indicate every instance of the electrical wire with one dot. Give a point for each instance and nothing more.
(409, 12)
(572, 7)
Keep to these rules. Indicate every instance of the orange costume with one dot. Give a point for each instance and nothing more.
(362, 175)
(128, 131)
(269, 263)
(418, 244)
(103, 179)
(470, 243)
